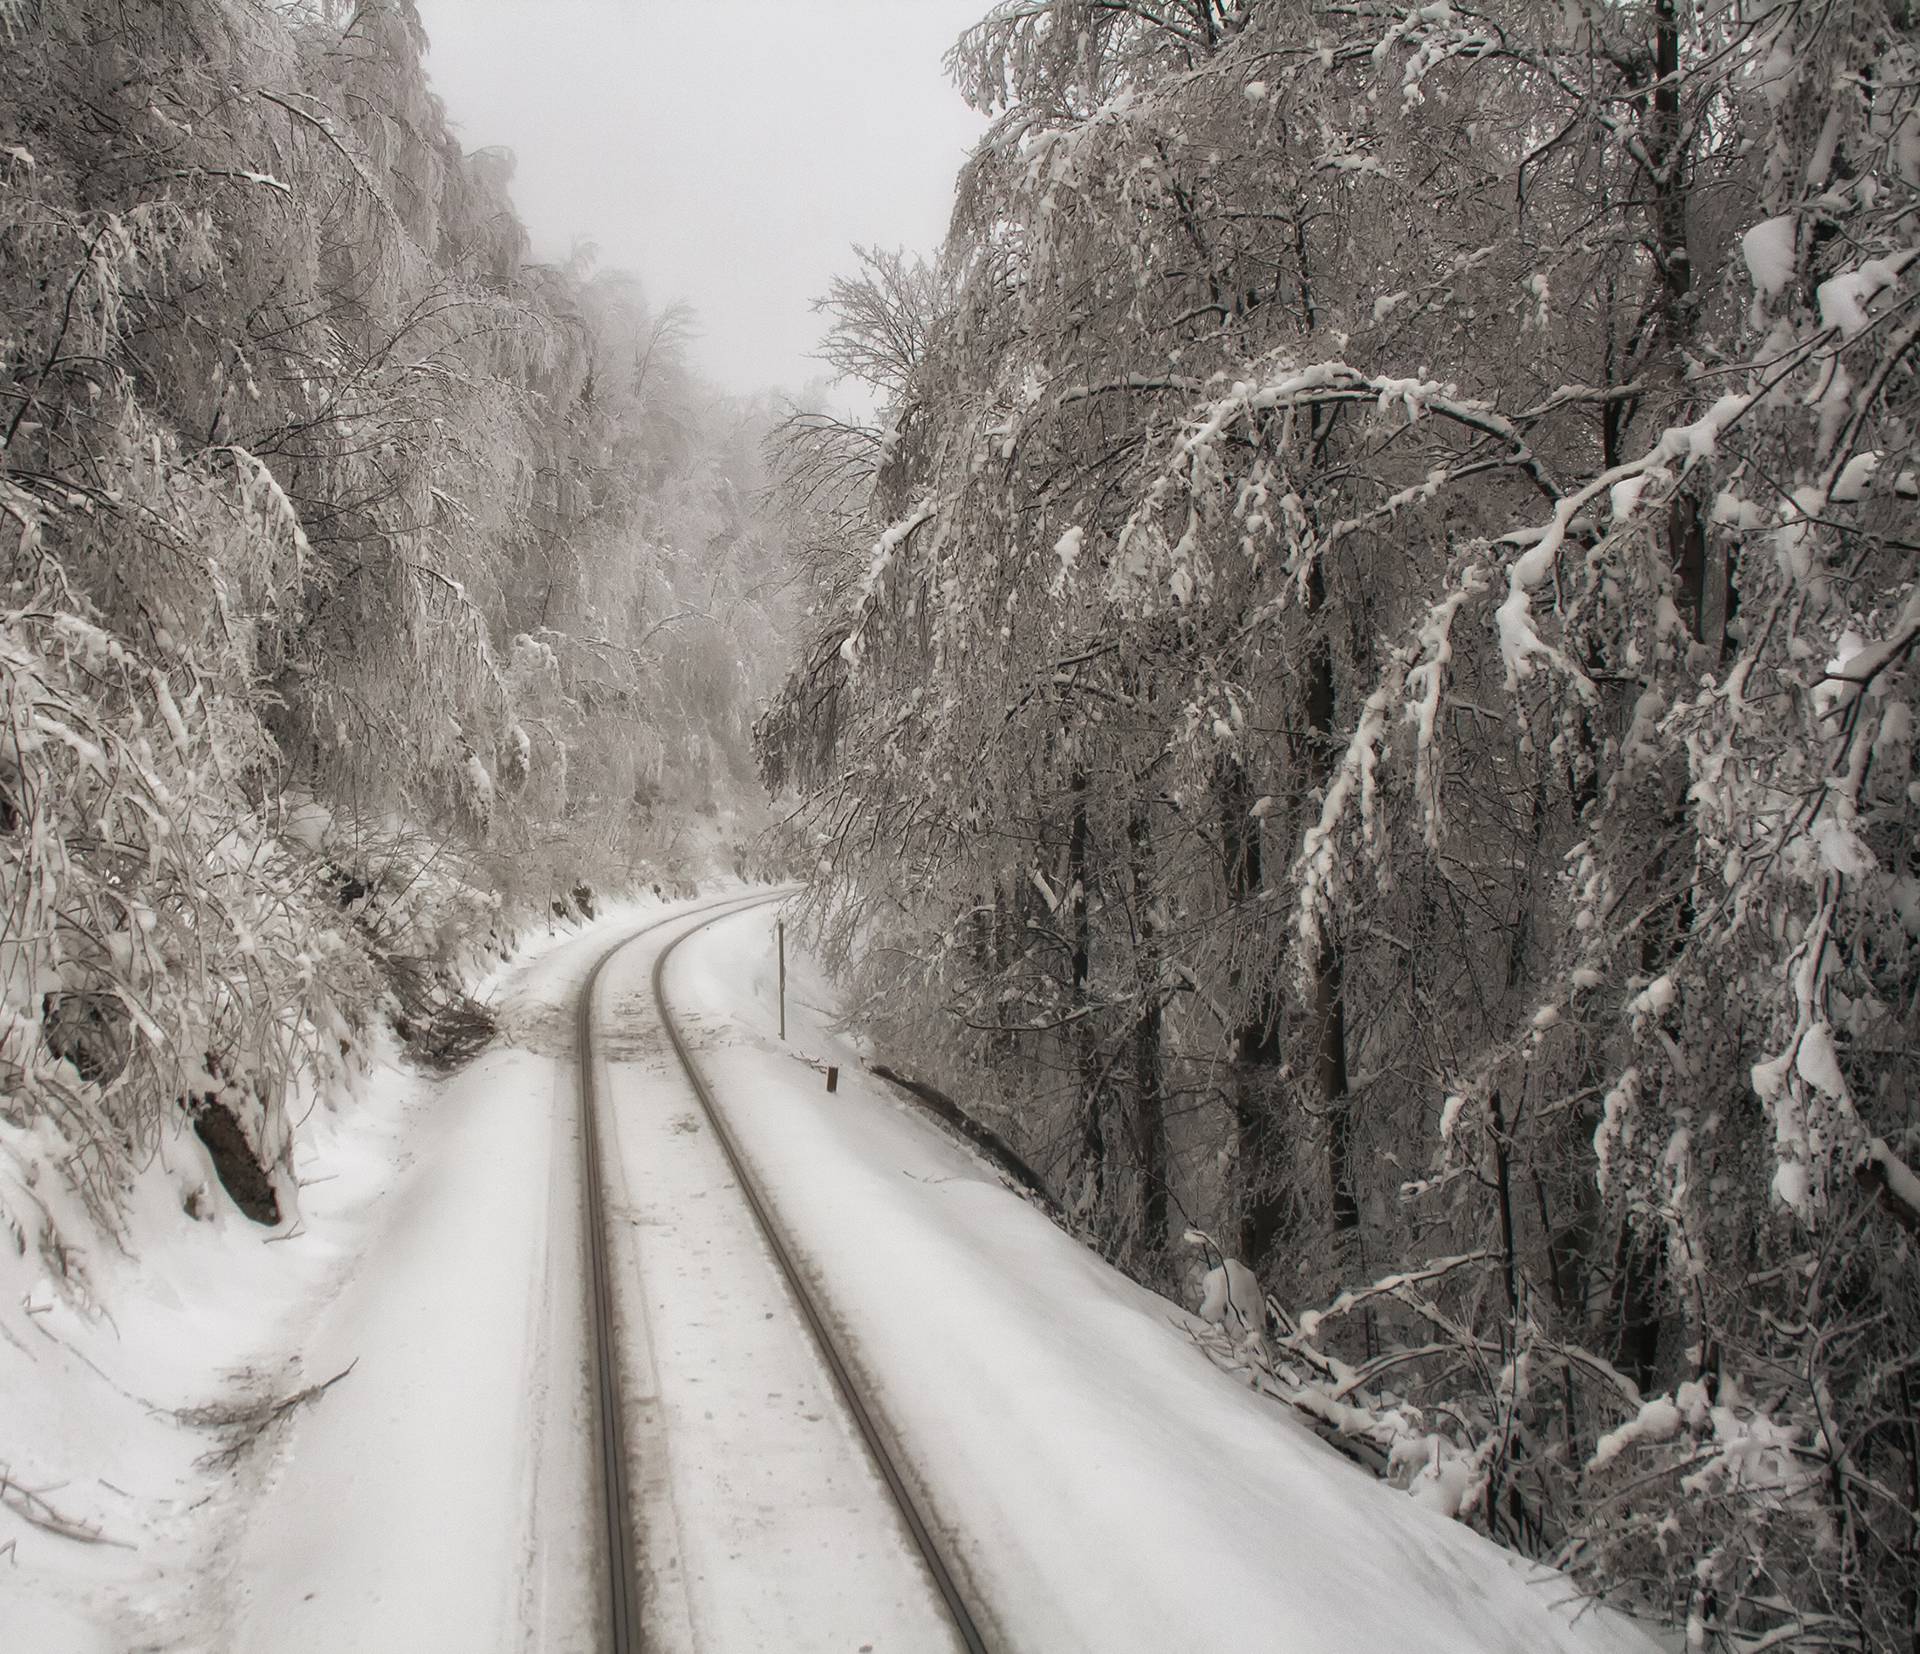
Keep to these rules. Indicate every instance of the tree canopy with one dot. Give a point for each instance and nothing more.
(365, 585)
(1364, 692)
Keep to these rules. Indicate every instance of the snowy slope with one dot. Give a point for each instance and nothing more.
(432, 1264)
(137, 1408)
(1108, 1488)
(1105, 1487)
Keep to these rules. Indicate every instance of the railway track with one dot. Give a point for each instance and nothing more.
(619, 1557)
(622, 1615)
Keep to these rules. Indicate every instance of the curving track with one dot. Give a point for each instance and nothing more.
(623, 1617)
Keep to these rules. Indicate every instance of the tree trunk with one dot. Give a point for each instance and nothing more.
(1328, 1010)
(1634, 1303)
(1264, 1152)
(1703, 573)
(1093, 1142)
(1149, 1086)
(1330, 1080)
(1503, 1192)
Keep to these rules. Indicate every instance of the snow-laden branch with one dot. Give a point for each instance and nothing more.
(896, 536)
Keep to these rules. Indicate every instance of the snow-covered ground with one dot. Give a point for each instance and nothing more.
(1101, 1483)
(434, 1262)
(762, 1523)
(1105, 1486)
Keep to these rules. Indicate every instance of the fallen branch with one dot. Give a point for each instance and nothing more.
(251, 1422)
(31, 1506)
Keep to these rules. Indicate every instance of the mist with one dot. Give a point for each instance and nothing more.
(730, 157)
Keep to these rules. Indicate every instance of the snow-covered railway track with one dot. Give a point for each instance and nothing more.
(619, 1558)
(882, 1451)
(737, 1503)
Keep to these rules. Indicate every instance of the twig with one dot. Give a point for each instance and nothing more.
(252, 1422)
(27, 1504)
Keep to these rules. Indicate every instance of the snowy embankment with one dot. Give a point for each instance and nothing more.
(433, 1263)
(1107, 1488)
(1104, 1486)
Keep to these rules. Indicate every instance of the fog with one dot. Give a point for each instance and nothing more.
(728, 155)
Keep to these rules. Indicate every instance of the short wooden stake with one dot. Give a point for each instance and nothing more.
(833, 1078)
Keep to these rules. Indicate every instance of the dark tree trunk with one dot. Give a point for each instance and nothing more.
(1702, 573)
(1330, 1080)
(1634, 1303)
(1327, 1007)
(1093, 1142)
(1503, 1192)
(1149, 1086)
(1264, 1150)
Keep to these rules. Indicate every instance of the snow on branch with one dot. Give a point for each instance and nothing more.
(885, 550)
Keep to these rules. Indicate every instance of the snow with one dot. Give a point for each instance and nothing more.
(1864, 665)
(1842, 850)
(763, 1524)
(1230, 1297)
(307, 822)
(478, 779)
(396, 1512)
(373, 1515)
(114, 1395)
(1901, 1181)
(1067, 549)
(1106, 1486)
(1768, 250)
(1658, 1420)
(1817, 1062)
(1103, 1484)
(1844, 300)
(1625, 495)
(1654, 1000)
(1855, 478)
(1791, 1184)
(1616, 1116)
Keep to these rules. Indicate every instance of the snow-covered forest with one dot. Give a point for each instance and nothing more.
(1354, 701)
(1363, 693)
(367, 584)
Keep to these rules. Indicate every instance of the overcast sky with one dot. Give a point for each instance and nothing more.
(728, 152)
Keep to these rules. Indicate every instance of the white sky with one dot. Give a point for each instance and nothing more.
(728, 152)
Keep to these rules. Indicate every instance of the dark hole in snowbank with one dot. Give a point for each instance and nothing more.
(89, 1030)
(240, 1174)
(440, 1024)
(577, 901)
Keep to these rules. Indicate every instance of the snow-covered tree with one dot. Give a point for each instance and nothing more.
(346, 598)
(1385, 653)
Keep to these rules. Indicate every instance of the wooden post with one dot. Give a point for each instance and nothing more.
(833, 1078)
(780, 930)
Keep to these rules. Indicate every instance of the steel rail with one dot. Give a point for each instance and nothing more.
(878, 1446)
(622, 1602)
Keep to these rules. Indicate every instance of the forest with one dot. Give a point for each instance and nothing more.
(367, 584)
(1360, 701)
(1354, 701)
